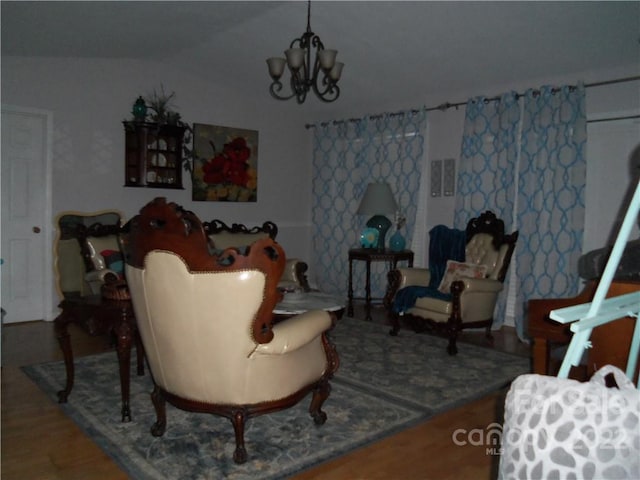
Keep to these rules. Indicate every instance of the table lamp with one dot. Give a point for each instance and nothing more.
(378, 201)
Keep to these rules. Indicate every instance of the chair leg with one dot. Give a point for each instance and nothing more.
(453, 327)
(238, 418)
(159, 403)
(452, 348)
(395, 324)
(320, 394)
(489, 335)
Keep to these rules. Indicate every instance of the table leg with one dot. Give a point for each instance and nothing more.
(367, 286)
(350, 293)
(139, 354)
(123, 332)
(60, 325)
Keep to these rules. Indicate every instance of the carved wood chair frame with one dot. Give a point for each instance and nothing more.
(167, 226)
(271, 229)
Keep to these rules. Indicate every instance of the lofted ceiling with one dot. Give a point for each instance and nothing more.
(392, 50)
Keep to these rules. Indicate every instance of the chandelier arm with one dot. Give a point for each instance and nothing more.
(275, 87)
(330, 93)
(299, 87)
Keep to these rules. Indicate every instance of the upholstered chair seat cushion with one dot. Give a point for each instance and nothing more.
(479, 294)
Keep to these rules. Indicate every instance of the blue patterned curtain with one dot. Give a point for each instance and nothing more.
(488, 162)
(524, 159)
(347, 156)
(551, 199)
(488, 159)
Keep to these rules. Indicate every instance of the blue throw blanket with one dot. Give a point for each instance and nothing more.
(444, 244)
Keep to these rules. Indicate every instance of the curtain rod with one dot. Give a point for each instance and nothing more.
(611, 119)
(446, 106)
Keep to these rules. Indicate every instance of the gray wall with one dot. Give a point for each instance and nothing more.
(89, 99)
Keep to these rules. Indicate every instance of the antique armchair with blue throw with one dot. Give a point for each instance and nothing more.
(460, 288)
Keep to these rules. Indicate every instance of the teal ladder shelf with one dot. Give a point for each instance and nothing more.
(601, 310)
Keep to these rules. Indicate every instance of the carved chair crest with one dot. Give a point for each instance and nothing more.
(167, 226)
(218, 226)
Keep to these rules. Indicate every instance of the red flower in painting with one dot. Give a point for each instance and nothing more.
(213, 170)
(237, 150)
(230, 166)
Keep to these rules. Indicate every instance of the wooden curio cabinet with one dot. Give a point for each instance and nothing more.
(153, 155)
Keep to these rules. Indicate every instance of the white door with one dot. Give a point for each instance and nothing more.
(26, 215)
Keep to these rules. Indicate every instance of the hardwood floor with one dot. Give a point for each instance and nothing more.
(40, 442)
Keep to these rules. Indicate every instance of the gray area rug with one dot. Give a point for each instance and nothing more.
(384, 385)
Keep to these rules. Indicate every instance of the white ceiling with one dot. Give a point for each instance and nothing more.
(392, 50)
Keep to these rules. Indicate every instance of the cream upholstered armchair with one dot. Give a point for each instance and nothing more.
(207, 326)
(460, 288)
(86, 251)
(222, 236)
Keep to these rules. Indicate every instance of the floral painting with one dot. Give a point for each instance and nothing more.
(225, 166)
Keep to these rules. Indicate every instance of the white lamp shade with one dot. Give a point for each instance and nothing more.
(336, 71)
(276, 67)
(295, 58)
(327, 59)
(377, 200)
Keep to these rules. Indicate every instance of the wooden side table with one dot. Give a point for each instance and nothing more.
(369, 255)
(99, 316)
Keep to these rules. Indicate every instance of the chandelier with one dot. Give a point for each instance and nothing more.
(305, 75)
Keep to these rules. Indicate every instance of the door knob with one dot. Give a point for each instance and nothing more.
(36, 229)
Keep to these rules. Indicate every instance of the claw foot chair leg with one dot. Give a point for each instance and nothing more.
(238, 418)
(320, 394)
(158, 428)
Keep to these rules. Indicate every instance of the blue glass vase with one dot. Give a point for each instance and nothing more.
(397, 242)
